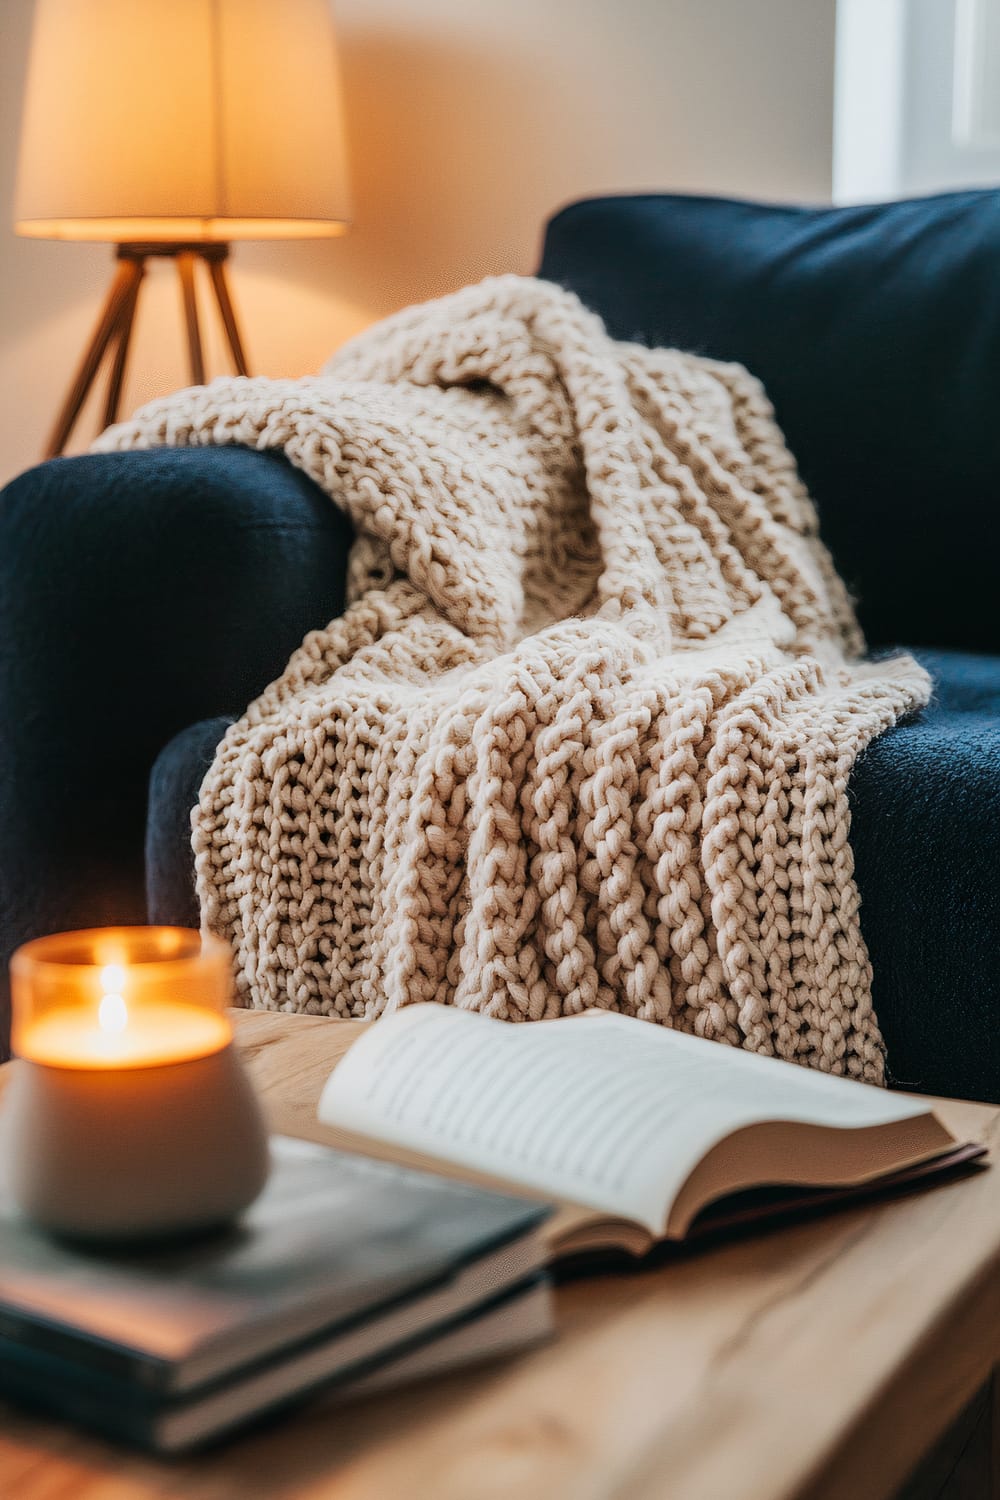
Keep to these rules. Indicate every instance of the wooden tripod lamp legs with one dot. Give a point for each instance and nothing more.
(114, 328)
(120, 342)
(196, 361)
(214, 257)
(115, 323)
(220, 284)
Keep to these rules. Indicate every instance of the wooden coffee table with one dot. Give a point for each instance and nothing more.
(846, 1358)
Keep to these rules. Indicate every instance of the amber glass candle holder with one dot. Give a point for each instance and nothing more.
(129, 1114)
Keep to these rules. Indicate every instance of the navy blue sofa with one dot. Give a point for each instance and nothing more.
(144, 598)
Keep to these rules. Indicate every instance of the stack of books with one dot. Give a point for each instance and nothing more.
(460, 1157)
(345, 1272)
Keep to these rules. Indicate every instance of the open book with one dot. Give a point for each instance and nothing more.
(641, 1133)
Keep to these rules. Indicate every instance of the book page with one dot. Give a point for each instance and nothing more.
(598, 1109)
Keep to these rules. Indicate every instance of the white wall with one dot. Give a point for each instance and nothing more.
(469, 121)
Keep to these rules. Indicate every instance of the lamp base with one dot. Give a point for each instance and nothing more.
(114, 327)
(133, 1153)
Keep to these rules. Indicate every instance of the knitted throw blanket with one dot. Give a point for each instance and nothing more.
(583, 734)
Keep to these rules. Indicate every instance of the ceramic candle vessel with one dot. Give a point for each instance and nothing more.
(129, 1115)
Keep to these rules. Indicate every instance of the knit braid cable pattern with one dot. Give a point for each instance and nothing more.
(583, 734)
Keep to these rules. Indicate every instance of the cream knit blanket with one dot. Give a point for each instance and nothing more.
(583, 734)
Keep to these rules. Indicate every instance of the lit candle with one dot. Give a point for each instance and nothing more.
(111, 1032)
(129, 1114)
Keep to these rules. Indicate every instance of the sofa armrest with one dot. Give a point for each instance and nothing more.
(138, 592)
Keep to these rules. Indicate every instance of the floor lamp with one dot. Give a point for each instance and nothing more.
(171, 130)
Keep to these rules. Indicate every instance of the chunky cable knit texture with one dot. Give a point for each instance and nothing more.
(583, 734)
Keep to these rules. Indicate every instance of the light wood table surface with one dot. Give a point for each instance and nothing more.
(847, 1358)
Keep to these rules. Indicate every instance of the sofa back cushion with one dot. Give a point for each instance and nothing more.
(876, 331)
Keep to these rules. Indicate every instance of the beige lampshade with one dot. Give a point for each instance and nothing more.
(182, 120)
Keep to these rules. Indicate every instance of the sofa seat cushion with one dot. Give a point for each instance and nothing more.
(926, 837)
(925, 832)
(174, 784)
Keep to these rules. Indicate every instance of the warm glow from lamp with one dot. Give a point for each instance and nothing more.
(182, 120)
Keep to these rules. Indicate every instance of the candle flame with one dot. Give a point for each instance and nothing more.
(112, 1013)
(113, 979)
